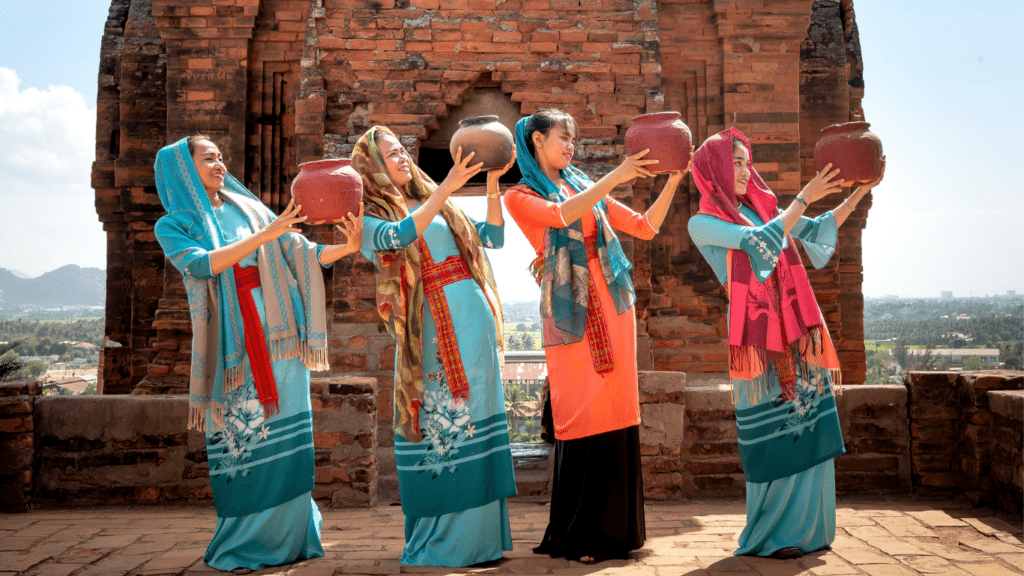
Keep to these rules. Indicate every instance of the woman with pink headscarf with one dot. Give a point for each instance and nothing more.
(782, 363)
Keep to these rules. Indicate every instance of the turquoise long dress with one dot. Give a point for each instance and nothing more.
(792, 444)
(455, 482)
(261, 469)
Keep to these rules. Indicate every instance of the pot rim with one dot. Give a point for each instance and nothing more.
(854, 124)
(657, 115)
(478, 119)
(326, 161)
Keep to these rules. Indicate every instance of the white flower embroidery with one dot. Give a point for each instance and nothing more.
(264, 432)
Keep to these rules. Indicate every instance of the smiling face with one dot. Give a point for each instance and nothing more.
(740, 168)
(555, 149)
(396, 160)
(210, 165)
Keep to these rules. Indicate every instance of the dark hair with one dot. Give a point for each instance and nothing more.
(195, 139)
(737, 142)
(544, 120)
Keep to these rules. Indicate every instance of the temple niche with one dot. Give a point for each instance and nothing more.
(280, 82)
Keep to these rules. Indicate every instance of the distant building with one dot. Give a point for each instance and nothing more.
(947, 294)
(954, 357)
(526, 369)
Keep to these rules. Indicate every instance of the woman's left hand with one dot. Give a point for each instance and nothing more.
(352, 227)
(495, 174)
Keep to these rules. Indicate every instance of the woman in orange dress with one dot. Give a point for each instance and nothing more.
(589, 333)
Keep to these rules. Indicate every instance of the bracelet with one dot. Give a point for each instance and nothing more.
(498, 195)
(802, 201)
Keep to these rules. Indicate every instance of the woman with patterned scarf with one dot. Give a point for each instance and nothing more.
(781, 359)
(589, 334)
(437, 296)
(256, 297)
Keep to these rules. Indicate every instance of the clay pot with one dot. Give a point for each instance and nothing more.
(327, 190)
(853, 149)
(667, 137)
(490, 139)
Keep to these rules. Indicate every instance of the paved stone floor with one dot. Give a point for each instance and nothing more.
(877, 537)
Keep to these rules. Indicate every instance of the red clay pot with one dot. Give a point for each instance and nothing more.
(853, 149)
(666, 135)
(327, 190)
(490, 139)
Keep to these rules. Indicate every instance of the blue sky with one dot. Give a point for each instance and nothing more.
(944, 91)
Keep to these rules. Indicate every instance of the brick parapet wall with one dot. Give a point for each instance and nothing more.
(1007, 452)
(951, 429)
(17, 444)
(117, 449)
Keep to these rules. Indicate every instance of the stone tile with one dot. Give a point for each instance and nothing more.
(987, 569)
(147, 547)
(22, 562)
(829, 565)
(114, 564)
(904, 526)
(847, 521)
(110, 541)
(18, 543)
(990, 526)
(1016, 560)
(55, 570)
(991, 545)
(884, 541)
(930, 565)
(936, 518)
(951, 552)
(888, 570)
(173, 561)
(862, 555)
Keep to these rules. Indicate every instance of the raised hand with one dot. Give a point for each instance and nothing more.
(460, 173)
(352, 228)
(494, 175)
(823, 184)
(876, 181)
(283, 224)
(633, 167)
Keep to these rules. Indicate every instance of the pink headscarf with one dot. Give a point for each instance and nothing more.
(766, 319)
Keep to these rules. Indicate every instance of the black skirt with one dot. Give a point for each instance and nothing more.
(597, 502)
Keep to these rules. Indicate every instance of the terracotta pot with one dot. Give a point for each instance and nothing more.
(490, 139)
(853, 149)
(327, 190)
(667, 137)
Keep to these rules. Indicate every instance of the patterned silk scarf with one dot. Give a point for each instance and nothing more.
(400, 293)
(774, 322)
(565, 279)
(190, 231)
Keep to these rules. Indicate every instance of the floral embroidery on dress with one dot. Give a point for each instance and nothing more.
(243, 428)
(444, 420)
(802, 409)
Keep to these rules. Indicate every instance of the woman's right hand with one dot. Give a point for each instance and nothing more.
(634, 166)
(460, 173)
(283, 224)
(823, 184)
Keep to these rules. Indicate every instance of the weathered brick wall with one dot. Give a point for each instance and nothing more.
(662, 429)
(115, 449)
(17, 444)
(1007, 453)
(951, 429)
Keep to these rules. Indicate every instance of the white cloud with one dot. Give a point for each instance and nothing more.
(47, 143)
(47, 137)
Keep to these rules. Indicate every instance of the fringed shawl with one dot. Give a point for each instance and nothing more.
(565, 276)
(189, 232)
(400, 297)
(769, 317)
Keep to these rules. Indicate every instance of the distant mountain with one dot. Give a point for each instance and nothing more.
(67, 286)
(20, 274)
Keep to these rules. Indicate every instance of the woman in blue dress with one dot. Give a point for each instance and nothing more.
(781, 359)
(256, 297)
(436, 294)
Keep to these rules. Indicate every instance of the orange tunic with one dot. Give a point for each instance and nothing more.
(584, 402)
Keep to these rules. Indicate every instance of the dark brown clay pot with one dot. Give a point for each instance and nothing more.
(327, 190)
(667, 137)
(853, 149)
(490, 139)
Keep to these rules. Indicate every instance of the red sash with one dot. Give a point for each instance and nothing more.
(597, 329)
(255, 340)
(435, 278)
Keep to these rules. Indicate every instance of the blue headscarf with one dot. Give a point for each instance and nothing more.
(188, 233)
(565, 254)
